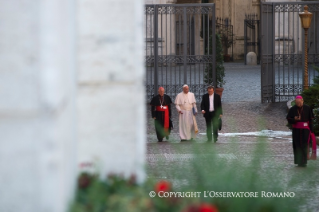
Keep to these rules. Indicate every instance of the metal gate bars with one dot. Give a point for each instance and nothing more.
(252, 36)
(180, 48)
(282, 49)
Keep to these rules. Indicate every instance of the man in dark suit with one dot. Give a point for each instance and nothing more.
(162, 113)
(211, 107)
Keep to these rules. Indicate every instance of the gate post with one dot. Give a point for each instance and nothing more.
(245, 41)
(214, 45)
(185, 44)
(267, 52)
(155, 49)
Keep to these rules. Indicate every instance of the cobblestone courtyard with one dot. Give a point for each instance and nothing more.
(243, 114)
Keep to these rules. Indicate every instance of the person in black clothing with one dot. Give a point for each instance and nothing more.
(301, 117)
(211, 107)
(161, 113)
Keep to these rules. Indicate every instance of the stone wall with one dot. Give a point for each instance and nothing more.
(111, 90)
(37, 105)
(71, 91)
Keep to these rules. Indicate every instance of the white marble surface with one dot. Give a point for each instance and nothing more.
(37, 105)
(111, 91)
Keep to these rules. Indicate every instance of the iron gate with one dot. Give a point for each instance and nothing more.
(252, 36)
(282, 49)
(180, 41)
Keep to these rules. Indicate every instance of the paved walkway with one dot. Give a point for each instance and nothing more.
(242, 83)
(244, 114)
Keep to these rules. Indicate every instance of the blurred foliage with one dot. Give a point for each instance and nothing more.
(205, 172)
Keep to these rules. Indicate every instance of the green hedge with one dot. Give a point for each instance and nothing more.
(311, 98)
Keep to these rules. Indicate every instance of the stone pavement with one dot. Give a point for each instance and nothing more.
(242, 83)
(243, 113)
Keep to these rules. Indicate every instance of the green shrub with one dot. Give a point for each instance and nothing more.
(220, 69)
(316, 79)
(311, 98)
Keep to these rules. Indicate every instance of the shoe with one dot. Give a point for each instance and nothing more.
(209, 141)
(160, 140)
(183, 140)
(215, 140)
(302, 165)
(167, 137)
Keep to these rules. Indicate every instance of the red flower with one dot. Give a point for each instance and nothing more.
(205, 207)
(85, 164)
(162, 186)
(191, 208)
(84, 180)
(132, 180)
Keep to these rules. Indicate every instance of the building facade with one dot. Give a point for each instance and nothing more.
(233, 10)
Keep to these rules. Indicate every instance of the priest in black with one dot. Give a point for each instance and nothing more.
(211, 107)
(161, 113)
(301, 118)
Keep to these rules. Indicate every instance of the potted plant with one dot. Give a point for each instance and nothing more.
(220, 69)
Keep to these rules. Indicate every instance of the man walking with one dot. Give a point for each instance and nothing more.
(186, 106)
(301, 118)
(161, 113)
(211, 107)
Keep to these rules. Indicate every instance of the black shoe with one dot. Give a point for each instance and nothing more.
(160, 140)
(183, 140)
(302, 165)
(209, 141)
(167, 137)
(215, 140)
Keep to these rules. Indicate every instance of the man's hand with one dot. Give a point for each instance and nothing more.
(297, 118)
(203, 112)
(220, 115)
(180, 112)
(154, 117)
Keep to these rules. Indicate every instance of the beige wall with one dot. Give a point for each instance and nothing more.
(37, 105)
(188, 1)
(111, 65)
(236, 10)
(233, 9)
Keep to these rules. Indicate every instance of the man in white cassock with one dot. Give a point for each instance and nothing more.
(185, 102)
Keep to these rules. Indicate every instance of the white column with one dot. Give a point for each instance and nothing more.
(37, 105)
(111, 89)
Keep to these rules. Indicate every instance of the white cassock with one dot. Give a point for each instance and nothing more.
(185, 103)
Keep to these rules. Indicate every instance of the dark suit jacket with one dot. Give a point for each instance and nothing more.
(217, 104)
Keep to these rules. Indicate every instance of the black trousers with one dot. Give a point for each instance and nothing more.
(212, 121)
(159, 126)
(300, 145)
